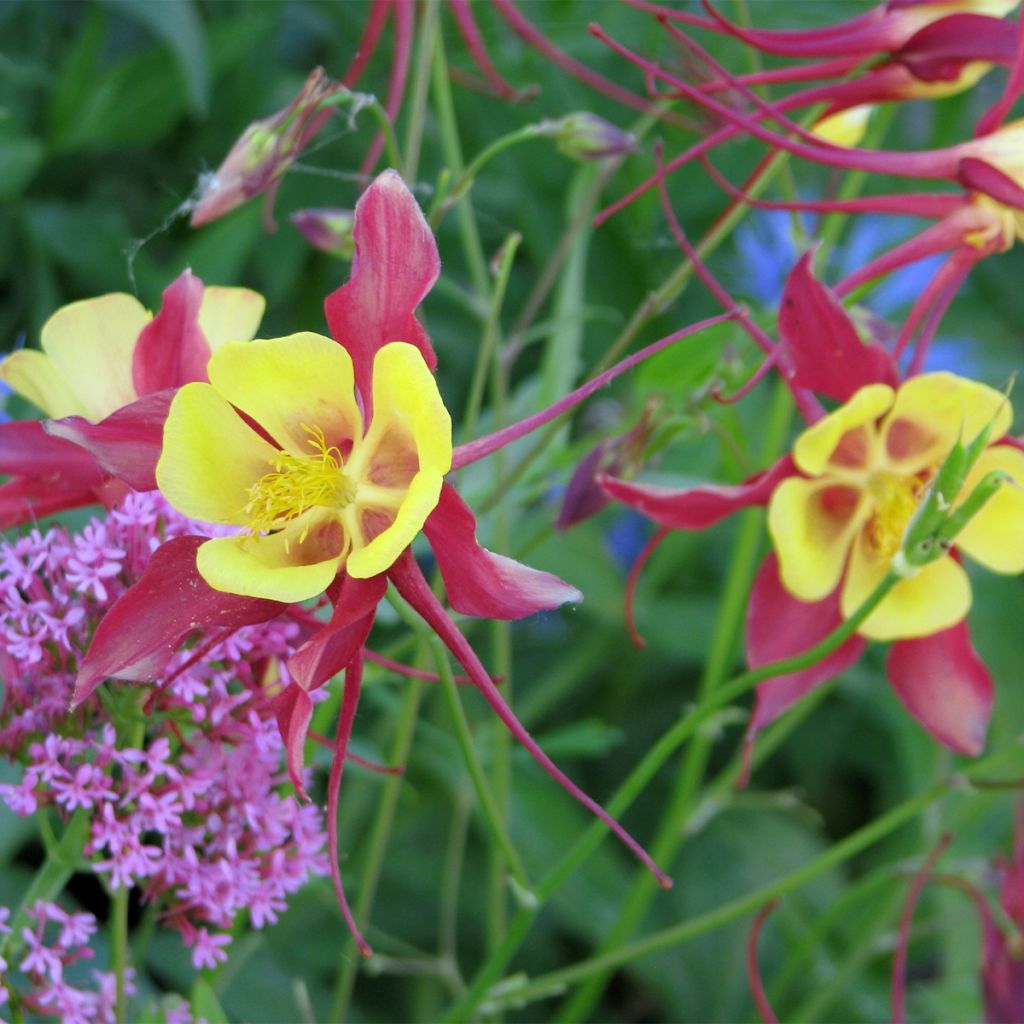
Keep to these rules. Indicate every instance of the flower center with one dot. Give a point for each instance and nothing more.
(297, 484)
(896, 500)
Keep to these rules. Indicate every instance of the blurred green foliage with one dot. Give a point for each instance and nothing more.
(111, 112)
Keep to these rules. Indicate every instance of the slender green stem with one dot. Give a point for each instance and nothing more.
(119, 951)
(420, 84)
(387, 130)
(377, 846)
(446, 198)
(637, 780)
(556, 981)
(732, 610)
(62, 860)
(451, 147)
(492, 328)
(476, 772)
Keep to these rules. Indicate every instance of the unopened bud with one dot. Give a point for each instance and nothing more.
(585, 136)
(266, 149)
(329, 230)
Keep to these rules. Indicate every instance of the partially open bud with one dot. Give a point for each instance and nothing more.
(585, 136)
(266, 149)
(329, 230)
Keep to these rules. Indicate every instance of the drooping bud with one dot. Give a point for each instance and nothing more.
(327, 229)
(585, 136)
(265, 151)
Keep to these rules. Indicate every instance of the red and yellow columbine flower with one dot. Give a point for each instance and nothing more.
(104, 376)
(866, 468)
(328, 456)
(844, 506)
(326, 493)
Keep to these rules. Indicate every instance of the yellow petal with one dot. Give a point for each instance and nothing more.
(33, 376)
(411, 429)
(230, 314)
(91, 345)
(210, 457)
(847, 128)
(283, 383)
(282, 566)
(938, 597)
(932, 412)
(812, 523)
(816, 446)
(995, 536)
(380, 552)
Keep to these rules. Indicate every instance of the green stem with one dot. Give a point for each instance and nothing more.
(421, 80)
(387, 129)
(376, 848)
(492, 330)
(671, 832)
(556, 981)
(62, 860)
(456, 189)
(476, 772)
(119, 950)
(444, 107)
(637, 781)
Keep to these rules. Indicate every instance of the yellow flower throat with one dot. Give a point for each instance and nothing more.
(297, 484)
(896, 500)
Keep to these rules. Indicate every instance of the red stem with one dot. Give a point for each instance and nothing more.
(899, 959)
(411, 584)
(764, 1008)
(473, 451)
(349, 703)
(379, 10)
(629, 598)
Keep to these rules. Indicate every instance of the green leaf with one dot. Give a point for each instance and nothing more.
(205, 1004)
(20, 157)
(177, 24)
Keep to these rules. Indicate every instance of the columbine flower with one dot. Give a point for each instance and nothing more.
(839, 511)
(866, 468)
(341, 467)
(103, 379)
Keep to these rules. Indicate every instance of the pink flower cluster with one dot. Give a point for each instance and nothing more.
(195, 810)
(54, 941)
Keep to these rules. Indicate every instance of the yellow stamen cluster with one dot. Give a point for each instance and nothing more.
(896, 500)
(297, 484)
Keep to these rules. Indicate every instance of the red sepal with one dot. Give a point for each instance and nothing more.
(293, 709)
(696, 508)
(479, 582)
(147, 624)
(127, 443)
(779, 626)
(172, 349)
(332, 647)
(979, 176)
(823, 350)
(395, 265)
(943, 683)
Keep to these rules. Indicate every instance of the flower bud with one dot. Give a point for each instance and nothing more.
(266, 149)
(585, 136)
(847, 127)
(327, 229)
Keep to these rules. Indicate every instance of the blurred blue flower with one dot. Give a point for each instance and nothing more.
(764, 254)
(626, 537)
